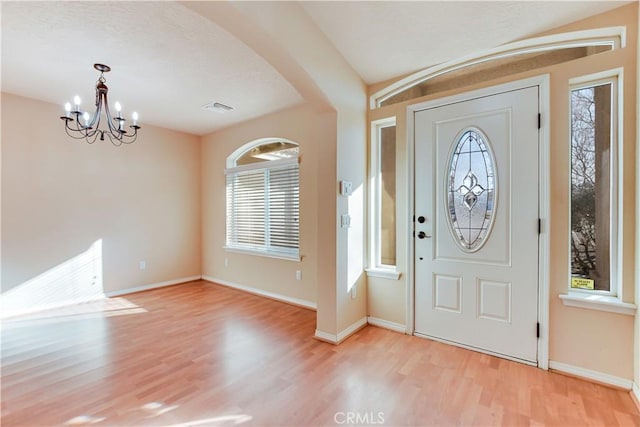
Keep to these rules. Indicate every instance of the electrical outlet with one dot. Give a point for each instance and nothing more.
(142, 265)
(298, 275)
(345, 220)
(226, 262)
(354, 292)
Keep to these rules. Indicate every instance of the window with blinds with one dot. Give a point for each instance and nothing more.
(263, 200)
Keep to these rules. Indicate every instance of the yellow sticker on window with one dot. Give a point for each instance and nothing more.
(582, 283)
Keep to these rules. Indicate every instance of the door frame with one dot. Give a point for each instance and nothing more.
(542, 82)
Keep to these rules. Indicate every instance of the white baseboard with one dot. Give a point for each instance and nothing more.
(346, 333)
(588, 374)
(135, 289)
(635, 391)
(381, 323)
(342, 335)
(271, 295)
(324, 336)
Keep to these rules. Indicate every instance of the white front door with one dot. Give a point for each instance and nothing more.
(476, 223)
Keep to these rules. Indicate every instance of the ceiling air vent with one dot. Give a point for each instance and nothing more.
(217, 107)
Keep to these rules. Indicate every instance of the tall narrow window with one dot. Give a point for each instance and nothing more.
(593, 186)
(263, 206)
(388, 195)
(383, 195)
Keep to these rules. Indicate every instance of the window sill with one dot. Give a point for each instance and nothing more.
(264, 253)
(598, 302)
(383, 273)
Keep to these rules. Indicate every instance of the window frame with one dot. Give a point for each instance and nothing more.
(375, 266)
(266, 167)
(611, 300)
(612, 36)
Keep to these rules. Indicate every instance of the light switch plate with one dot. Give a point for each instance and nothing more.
(346, 188)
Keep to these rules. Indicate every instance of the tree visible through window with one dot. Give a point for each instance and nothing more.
(591, 179)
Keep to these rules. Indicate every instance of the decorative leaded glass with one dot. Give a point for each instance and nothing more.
(471, 190)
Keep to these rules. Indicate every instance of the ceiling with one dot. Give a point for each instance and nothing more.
(387, 39)
(168, 61)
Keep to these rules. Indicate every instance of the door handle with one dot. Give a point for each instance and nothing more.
(422, 235)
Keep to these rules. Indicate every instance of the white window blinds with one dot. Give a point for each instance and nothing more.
(263, 208)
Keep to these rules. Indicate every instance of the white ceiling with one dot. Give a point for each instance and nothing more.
(387, 39)
(167, 60)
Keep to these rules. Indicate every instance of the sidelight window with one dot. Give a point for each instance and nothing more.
(593, 236)
(382, 196)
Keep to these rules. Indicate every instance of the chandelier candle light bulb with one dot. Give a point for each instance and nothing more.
(119, 118)
(89, 128)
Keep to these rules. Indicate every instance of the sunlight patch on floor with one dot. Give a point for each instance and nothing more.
(158, 408)
(107, 307)
(84, 420)
(224, 420)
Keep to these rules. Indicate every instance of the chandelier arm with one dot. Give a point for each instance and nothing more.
(77, 124)
(80, 131)
(93, 137)
(113, 130)
(123, 138)
(95, 120)
(68, 129)
(133, 138)
(114, 140)
(87, 132)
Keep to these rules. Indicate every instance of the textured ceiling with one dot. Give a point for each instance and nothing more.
(387, 39)
(167, 60)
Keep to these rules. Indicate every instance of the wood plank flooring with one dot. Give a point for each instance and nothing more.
(200, 354)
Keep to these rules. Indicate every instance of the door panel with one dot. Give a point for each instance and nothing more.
(476, 182)
(447, 293)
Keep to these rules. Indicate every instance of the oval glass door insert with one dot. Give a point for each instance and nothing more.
(471, 190)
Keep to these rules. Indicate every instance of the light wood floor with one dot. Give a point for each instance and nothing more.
(201, 354)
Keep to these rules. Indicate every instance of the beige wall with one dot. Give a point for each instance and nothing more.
(61, 196)
(273, 275)
(589, 339)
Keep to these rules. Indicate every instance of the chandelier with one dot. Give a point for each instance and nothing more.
(82, 125)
